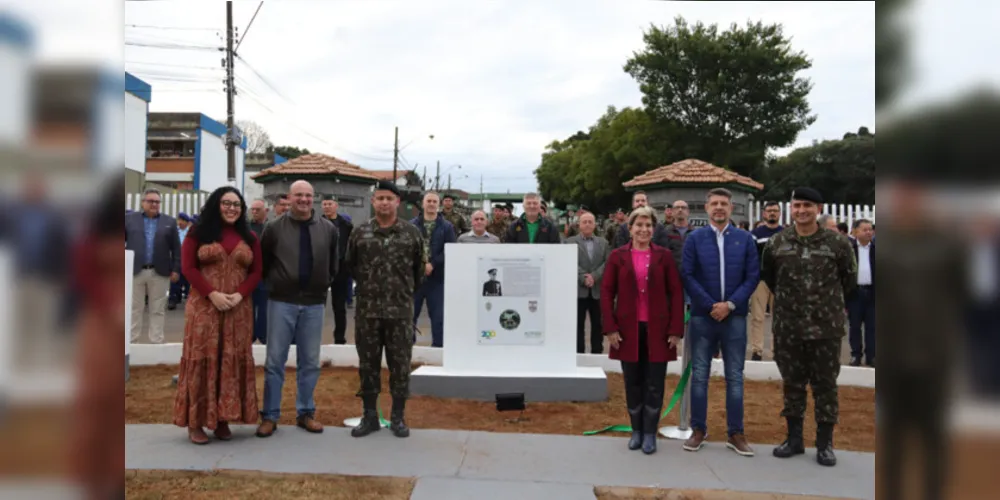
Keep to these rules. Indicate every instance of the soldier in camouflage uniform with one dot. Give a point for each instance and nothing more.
(498, 226)
(386, 258)
(451, 215)
(810, 270)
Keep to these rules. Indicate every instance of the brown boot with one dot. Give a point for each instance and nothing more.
(696, 441)
(197, 436)
(266, 429)
(739, 444)
(223, 432)
(310, 424)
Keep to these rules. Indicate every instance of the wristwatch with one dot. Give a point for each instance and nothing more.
(732, 307)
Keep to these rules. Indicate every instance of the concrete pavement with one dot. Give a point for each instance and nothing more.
(458, 464)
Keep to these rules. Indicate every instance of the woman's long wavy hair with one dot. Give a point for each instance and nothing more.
(208, 229)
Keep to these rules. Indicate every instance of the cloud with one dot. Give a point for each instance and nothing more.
(494, 81)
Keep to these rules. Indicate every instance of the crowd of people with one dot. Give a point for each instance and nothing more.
(253, 279)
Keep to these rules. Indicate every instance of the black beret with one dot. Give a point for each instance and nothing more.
(448, 197)
(387, 186)
(807, 194)
(499, 205)
(509, 206)
(584, 208)
(329, 197)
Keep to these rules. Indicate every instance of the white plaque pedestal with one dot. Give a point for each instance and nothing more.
(512, 330)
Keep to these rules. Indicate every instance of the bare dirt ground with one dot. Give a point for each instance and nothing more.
(226, 485)
(149, 399)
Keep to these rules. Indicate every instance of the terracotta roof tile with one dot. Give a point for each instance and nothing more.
(318, 164)
(692, 171)
(386, 175)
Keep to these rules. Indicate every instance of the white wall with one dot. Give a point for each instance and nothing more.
(251, 189)
(109, 145)
(136, 123)
(213, 173)
(15, 94)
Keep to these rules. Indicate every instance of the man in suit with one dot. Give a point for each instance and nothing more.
(154, 238)
(861, 303)
(593, 255)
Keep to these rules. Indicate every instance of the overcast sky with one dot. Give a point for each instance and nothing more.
(493, 81)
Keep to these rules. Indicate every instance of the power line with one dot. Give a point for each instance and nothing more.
(176, 28)
(173, 46)
(245, 30)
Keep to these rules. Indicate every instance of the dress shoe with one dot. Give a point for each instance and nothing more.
(223, 432)
(310, 424)
(696, 441)
(267, 429)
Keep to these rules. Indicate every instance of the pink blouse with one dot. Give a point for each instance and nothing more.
(640, 261)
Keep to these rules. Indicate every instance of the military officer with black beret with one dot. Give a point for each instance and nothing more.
(810, 271)
(386, 258)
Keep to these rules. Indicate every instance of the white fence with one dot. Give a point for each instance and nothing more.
(843, 213)
(170, 203)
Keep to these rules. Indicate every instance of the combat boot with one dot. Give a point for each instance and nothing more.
(369, 420)
(824, 445)
(396, 423)
(635, 415)
(793, 445)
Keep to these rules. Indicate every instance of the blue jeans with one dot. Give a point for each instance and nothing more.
(433, 292)
(260, 314)
(287, 322)
(706, 335)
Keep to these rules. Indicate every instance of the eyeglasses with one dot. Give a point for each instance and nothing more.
(152, 202)
(231, 204)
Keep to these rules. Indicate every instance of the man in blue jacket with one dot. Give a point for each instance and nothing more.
(720, 271)
(437, 231)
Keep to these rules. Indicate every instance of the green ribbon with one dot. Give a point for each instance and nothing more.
(382, 421)
(676, 398)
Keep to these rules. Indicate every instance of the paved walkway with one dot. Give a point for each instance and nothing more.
(463, 465)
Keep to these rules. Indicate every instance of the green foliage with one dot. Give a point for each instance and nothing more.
(290, 152)
(843, 170)
(734, 94)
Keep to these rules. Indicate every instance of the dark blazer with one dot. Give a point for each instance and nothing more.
(871, 260)
(443, 233)
(592, 266)
(547, 231)
(620, 305)
(166, 247)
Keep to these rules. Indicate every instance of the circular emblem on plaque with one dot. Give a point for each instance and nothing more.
(510, 319)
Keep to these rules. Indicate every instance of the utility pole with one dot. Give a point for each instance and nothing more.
(395, 157)
(449, 182)
(232, 140)
(437, 178)
(423, 179)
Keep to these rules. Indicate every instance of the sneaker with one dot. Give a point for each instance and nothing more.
(696, 441)
(739, 444)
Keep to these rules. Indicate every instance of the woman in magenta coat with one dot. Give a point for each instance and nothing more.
(642, 303)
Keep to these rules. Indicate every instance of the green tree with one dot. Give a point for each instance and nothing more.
(890, 50)
(589, 168)
(290, 152)
(733, 94)
(843, 170)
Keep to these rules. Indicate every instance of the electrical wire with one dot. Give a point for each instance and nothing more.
(245, 30)
(175, 28)
(172, 46)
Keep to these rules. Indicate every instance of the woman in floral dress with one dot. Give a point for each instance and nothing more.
(221, 259)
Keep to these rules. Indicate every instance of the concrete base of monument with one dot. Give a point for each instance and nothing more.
(584, 385)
